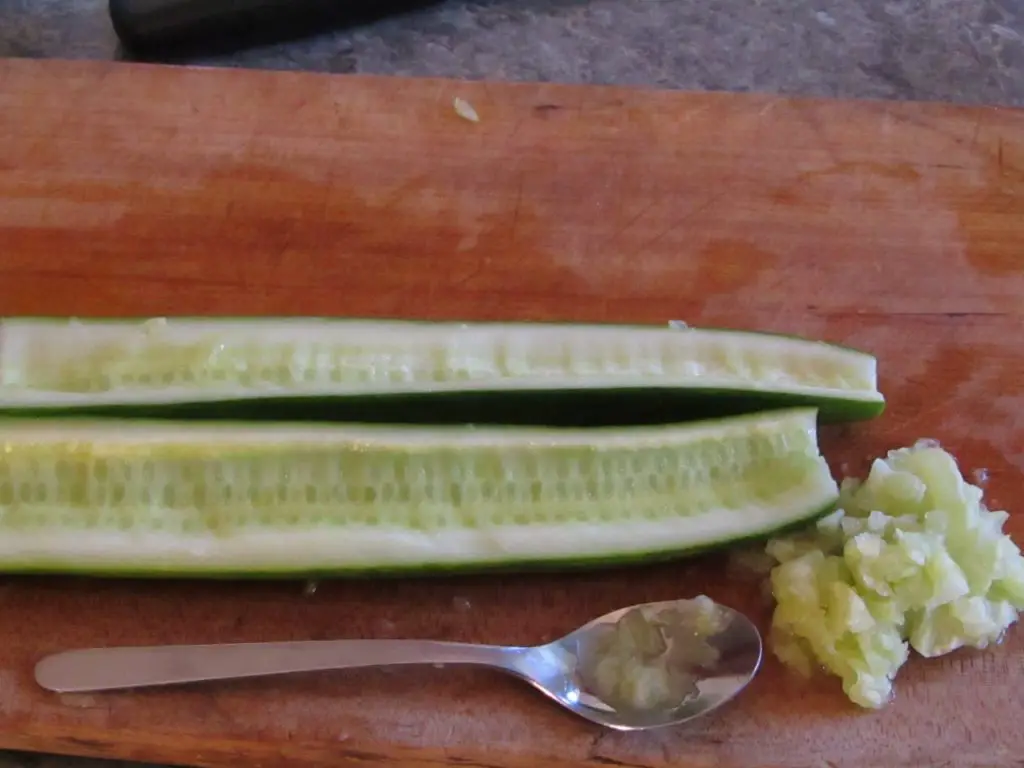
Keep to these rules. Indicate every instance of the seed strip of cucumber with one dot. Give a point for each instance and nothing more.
(109, 496)
(53, 362)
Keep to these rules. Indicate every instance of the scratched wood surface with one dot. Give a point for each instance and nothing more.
(892, 227)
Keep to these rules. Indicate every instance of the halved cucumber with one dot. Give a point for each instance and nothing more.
(400, 371)
(159, 498)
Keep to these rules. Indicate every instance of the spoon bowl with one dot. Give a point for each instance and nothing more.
(645, 666)
(560, 669)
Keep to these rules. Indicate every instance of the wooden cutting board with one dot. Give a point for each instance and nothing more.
(897, 228)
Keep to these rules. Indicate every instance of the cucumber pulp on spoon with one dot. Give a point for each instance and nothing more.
(912, 557)
(653, 656)
(109, 496)
(401, 371)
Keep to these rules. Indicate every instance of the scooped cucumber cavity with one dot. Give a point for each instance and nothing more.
(53, 363)
(162, 497)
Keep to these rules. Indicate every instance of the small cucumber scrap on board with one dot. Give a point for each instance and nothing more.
(391, 371)
(166, 498)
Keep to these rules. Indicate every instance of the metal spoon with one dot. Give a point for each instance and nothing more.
(563, 670)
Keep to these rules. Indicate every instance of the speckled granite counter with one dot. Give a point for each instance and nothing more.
(959, 50)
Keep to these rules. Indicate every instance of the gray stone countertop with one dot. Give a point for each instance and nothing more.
(968, 51)
(955, 50)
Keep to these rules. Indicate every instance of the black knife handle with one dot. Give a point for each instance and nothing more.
(142, 24)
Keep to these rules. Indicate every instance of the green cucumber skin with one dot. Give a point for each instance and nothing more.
(434, 570)
(553, 408)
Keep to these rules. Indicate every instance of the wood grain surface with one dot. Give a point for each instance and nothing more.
(897, 228)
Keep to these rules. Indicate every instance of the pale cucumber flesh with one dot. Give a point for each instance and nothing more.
(912, 559)
(76, 363)
(109, 496)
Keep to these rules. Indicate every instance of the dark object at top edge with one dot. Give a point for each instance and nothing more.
(152, 29)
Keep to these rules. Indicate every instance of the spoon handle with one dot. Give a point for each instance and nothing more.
(100, 669)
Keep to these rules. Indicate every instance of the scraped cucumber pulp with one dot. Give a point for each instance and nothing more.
(912, 557)
(109, 496)
(400, 371)
(652, 656)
